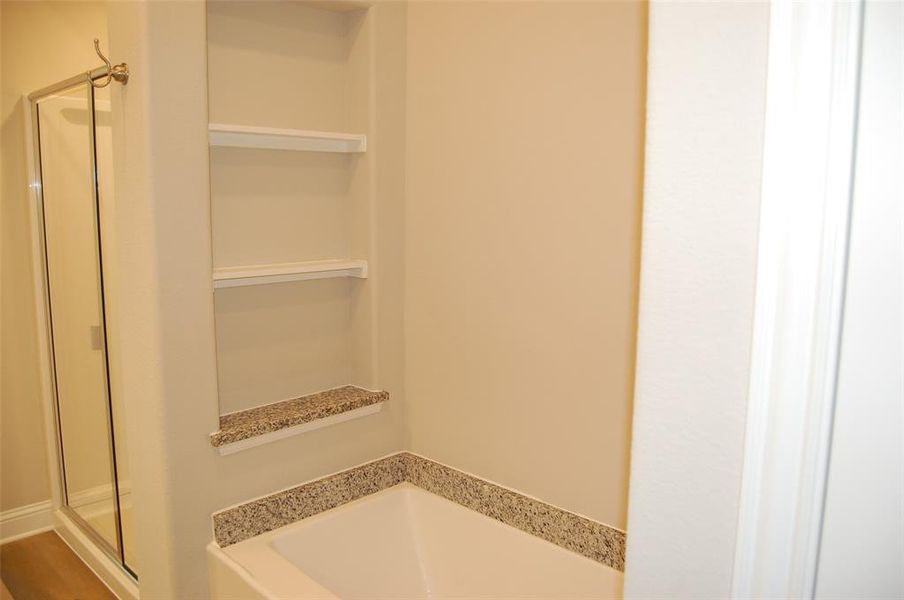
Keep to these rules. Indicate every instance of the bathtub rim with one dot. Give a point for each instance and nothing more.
(260, 566)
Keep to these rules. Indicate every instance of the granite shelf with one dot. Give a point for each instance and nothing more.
(264, 424)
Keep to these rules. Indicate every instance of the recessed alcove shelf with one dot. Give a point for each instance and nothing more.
(272, 138)
(282, 272)
(294, 197)
(271, 422)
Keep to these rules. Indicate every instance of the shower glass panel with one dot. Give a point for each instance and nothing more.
(74, 154)
(103, 148)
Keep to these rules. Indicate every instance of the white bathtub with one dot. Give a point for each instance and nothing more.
(404, 542)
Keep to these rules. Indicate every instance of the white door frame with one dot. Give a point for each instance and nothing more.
(811, 104)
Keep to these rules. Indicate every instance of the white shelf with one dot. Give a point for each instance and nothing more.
(338, 6)
(244, 136)
(283, 272)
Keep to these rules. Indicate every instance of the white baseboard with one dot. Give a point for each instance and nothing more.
(96, 501)
(26, 520)
(93, 502)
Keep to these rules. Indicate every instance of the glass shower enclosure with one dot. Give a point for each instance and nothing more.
(72, 139)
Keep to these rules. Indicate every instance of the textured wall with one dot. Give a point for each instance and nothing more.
(706, 92)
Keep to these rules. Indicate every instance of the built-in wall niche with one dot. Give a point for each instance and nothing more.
(288, 65)
(284, 340)
(291, 206)
(272, 206)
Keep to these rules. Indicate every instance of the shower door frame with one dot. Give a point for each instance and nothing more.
(87, 543)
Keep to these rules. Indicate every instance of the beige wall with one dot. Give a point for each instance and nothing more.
(168, 345)
(42, 42)
(532, 131)
(525, 140)
(523, 198)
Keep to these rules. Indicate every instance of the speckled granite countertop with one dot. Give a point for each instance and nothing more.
(249, 423)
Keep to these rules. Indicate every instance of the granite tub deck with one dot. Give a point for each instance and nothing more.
(565, 529)
(272, 418)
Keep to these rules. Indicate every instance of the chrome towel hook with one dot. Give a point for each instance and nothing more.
(118, 72)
